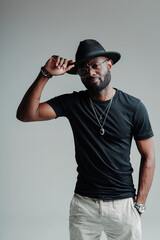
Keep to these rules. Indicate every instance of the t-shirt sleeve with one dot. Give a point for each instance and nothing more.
(58, 105)
(141, 125)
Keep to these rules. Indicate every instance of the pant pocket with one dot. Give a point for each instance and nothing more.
(71, 202)
(74, 207)
(135, 210)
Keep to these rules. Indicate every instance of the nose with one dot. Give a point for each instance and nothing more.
(91, 72)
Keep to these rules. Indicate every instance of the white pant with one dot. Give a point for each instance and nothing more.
(119, 219)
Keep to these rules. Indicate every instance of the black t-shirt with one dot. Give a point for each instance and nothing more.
(104, 168)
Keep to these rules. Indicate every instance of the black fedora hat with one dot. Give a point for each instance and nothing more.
(89, 49)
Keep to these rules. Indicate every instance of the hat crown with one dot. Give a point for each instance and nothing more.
(88, 48)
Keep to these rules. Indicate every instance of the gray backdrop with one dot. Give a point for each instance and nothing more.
(37, 166)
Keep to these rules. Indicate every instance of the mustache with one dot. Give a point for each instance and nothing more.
(91, 78)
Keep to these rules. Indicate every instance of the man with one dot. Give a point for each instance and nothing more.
(104, 120)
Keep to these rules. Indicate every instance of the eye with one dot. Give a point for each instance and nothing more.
(94, 66)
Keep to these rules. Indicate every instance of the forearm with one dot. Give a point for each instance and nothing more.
(30, 102)
(146, 173)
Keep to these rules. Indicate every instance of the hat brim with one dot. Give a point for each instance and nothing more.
(114, 56)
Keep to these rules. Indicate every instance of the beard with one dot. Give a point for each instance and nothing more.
(96, 88)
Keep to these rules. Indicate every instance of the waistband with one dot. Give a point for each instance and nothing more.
(95, 200)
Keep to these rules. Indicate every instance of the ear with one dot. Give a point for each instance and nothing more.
(110, 63)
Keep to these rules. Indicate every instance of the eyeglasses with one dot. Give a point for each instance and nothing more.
(83, 71)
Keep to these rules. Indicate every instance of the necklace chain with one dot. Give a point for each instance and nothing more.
(102, 131)
(100, 114)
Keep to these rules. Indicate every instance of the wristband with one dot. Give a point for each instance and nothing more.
(45, 73)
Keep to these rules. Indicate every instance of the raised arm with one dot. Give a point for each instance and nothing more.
(30, 108)
(146, 149)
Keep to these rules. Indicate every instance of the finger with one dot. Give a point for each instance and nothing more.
(61, 62)
(57, 60)
(65, 63)
(54, 58)
(69, 67)
(70, 62)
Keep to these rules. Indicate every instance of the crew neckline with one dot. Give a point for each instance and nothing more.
(104, 102)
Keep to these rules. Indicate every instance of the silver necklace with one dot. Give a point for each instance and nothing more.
(102, 131)
(100, 115)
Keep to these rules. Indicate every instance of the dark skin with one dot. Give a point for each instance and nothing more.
(99, 79)
(30, 109)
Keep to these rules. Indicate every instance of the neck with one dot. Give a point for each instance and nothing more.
(103, 95)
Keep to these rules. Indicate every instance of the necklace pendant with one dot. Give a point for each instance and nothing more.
(100, 118)
(102, 131)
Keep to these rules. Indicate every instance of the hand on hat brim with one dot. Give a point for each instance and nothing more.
(113, 56)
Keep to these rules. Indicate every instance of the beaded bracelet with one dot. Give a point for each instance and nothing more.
(45, 73)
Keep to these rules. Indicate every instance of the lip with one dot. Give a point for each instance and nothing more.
(94, 80)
